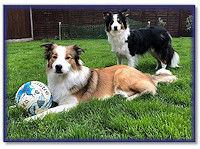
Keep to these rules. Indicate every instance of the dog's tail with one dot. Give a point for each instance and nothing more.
(175, 60)
(163, 75)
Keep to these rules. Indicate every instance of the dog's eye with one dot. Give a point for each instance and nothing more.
(111, 22)
(55, 57)
(68, 57)
(119, 21)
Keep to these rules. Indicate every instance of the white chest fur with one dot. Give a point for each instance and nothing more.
(117, 40)
(60, 85)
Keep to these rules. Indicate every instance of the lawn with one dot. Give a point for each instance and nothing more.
(167, 116)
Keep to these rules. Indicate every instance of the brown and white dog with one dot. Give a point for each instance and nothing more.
(70, 82)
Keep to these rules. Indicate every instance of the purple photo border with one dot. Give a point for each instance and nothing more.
(192, 7)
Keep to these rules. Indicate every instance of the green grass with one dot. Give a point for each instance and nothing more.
(165, 116)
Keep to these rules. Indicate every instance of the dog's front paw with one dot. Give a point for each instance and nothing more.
(35, 117)
(14, 106)
(31, 118)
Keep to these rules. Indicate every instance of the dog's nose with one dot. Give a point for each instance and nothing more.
(58, 67)
(115, 28)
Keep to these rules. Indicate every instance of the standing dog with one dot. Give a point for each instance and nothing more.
(70, 82)
(131, 44)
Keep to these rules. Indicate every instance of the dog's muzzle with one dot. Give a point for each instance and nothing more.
(58, 68)
(115, 28)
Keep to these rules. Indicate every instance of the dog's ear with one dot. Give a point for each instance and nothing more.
(78, 50)
(125, 12)
(106, 14)
(49, 46)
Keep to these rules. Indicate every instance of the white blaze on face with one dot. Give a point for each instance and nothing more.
(61, 61)
(115, 26)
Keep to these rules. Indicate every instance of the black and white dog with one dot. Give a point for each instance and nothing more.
(129, 45)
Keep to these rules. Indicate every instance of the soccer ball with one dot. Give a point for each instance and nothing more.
(34, 96)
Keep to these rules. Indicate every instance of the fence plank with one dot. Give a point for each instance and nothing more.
(18, 23)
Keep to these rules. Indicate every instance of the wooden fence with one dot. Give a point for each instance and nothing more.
(45, 21)
(18, 23)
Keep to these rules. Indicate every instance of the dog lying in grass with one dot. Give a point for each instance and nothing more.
(70, 82)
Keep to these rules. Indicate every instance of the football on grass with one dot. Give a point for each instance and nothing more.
(34, 96)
